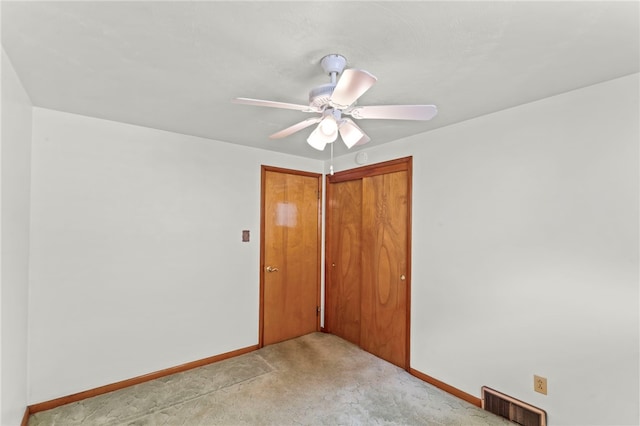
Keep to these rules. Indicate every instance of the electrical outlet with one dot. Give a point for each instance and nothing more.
(540, 384)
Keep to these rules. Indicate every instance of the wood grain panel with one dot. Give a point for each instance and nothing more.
(344, 214)
(384, 264)
(290, 244)
(385, 245)
(372, 170)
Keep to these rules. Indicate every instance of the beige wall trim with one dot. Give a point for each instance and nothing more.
(447, 388)
(25, 418)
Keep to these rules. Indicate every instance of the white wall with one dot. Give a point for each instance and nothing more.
(525, 252)
(137, 261)
(14, 278)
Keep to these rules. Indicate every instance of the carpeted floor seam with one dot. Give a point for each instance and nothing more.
(130, 419)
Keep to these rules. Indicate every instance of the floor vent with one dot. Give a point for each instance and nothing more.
(512, 409)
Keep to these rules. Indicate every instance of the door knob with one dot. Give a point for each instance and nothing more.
(402, 277)
(270, 269)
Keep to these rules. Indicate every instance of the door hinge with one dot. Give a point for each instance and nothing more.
(317, 310)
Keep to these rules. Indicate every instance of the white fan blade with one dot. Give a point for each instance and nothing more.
(296, 127)
(396, 112)
(352, 84)
(273, 104)
(351, 134)
(318, 140)
(365, 139)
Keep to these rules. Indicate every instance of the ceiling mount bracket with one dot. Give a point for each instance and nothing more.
(333, 63)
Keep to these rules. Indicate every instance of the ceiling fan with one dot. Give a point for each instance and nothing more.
(336, 101)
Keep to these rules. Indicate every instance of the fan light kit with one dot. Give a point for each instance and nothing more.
(335, 101)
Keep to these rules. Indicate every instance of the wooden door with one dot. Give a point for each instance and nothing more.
(344, 213)
(290, 255)
(368, 258)
(384, 267)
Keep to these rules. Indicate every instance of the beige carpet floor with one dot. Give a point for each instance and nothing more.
(317, 379)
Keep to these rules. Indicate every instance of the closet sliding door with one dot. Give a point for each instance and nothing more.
(368, 258)
(344, 259)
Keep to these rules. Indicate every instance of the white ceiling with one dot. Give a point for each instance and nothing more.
(176, 65)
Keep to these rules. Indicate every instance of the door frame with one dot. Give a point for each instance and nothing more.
(263, 170)
(397, 165)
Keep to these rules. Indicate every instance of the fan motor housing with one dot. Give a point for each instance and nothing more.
(319, 96)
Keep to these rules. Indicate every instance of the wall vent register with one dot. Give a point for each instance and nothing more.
(512, 409)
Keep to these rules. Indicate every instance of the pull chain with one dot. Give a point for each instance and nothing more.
(331, 166)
